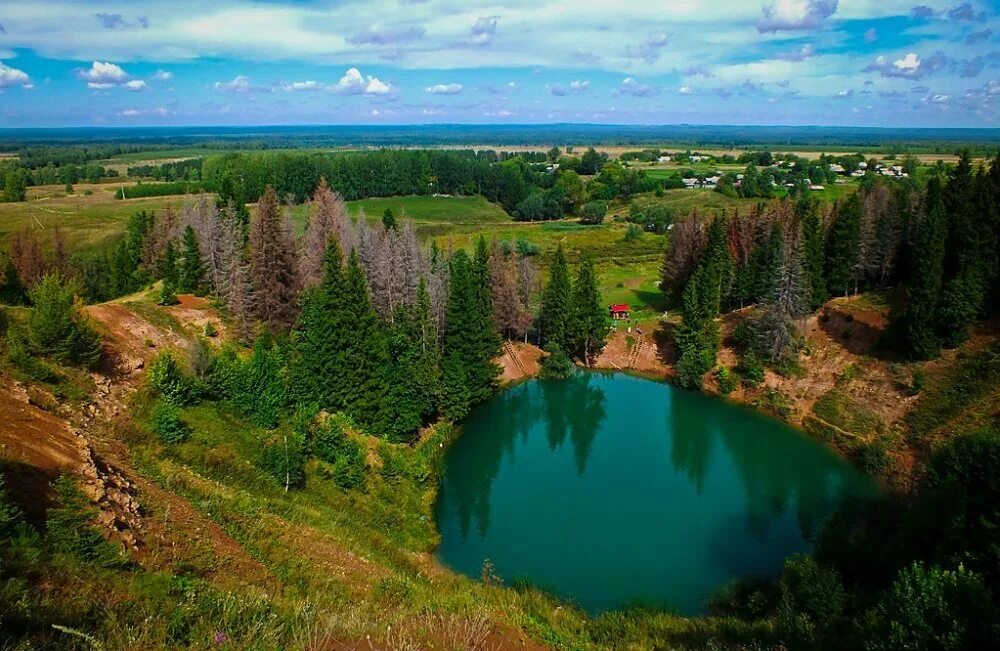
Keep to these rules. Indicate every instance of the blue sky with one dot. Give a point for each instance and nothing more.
(194, 62)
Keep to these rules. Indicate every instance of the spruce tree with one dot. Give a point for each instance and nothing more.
(590, 320)
(414, 369)
(487, 342)
(366, 362)
(459, 340)
(191, 273)
(842, 245)
(273, 269)
(388, 220)
(812, 257)
(555, 313)
(920, 317)
(169, 273)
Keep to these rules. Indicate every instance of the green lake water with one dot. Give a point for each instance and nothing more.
(611, 490)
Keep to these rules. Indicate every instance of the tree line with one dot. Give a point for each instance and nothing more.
(788, 258)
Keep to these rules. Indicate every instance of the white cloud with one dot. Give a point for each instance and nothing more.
(14, 77)
(630, 86)
(134, 85)
(134, 112)
(163, 75)
(238, 84)
(431, 111)
(576, 87)
(788, 15)
(800, 54)
(685, 90)
(103, 75)
(297, 86)
(484, 29)
(444, 89)
(354, 83)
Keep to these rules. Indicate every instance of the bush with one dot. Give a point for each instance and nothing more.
(168, 381)
(593, 212)
(20, 357)
(333, 445)
(284, 458)
(632, 233)
(166, 423)
(750, 369)
(727, 380)
(69, 527)
(556, 364)
(873, 457)
(57, 325)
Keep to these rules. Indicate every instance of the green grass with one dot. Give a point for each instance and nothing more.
(838, 409)
(968, 388)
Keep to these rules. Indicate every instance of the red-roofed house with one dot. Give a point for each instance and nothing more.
(618, 311)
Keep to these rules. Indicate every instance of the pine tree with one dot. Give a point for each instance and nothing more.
(191, 273)
(842, 245)
(920, 317)
(777, 329)
(273, 269)
(488, 343)
(555, 313)
(590, 319)
(388, 220)
(414, 369)
(57, 325)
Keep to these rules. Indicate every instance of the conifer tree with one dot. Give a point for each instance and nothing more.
(414, 369)
(842, 245)
(555, 313)
(366, 357)
(459, 340)
(919, 320)
(191, 273)
(327, 214)
(590, 320)
(812, 257)
(57, 325)
(273, 269)
(488, 343)
(169, 272)
(388, 220)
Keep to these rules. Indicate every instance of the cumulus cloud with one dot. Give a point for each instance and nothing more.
(844, 94)
(134, 85)
(13, 77)
(103, 75)
(577, 87)
(444, 89)
(297, 86)
(386, 35)
(163, 75)
(908, 67)
(800, 54)
(966, 12)
(354, 83)
(981, 35)
(239, 84)
(648, 50)
(484, 29)
(630, 86)
(133, 112)
(117, 21)
(697, 71)
(790, 15)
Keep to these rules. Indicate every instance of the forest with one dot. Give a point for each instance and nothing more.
(352, 334)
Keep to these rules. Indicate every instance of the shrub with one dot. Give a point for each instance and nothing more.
(69, 527)
(166, 423)
(57, 325)
(284, 458)
(556, 364)
(750, 369)
(333, 445)
(168, 381)
(918, 381)
(211, 330)
(632, 233)
(727, 380)
(873, 457)
(593, 212)
(20, 357)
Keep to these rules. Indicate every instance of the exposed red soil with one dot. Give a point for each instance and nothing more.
(195, 313)
(519, 361)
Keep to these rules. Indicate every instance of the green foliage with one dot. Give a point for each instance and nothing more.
(727, 380)
(750, 369)
(158, 189)
(933, 608)
(57, 326)
(842, 245)
(70, 527)
(283, 456)
(593, 212)
(556, 364)
(632, 233)
(972, 377)
(588, 318)
(166, 423)
(344, 454)
(873, 456)
(10, 514)
(169, 382)
(19, 355)
(256, 385)
(190, 277)
(919, 320)
(554, 317)
(811, 598)
(15, 186)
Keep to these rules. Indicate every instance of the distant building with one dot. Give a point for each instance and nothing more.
(618, 311)
(664, 159)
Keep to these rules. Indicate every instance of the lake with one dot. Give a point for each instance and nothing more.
(611, 490)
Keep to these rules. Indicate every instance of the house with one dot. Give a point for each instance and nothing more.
(664, 159)
(690, 183)
(836, 167)
(618, 311)
(816, 186)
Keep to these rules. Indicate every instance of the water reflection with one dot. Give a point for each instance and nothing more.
(610, 489)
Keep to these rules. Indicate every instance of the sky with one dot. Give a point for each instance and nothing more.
(760, 62)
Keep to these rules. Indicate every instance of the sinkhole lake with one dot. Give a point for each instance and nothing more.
(611, 490)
